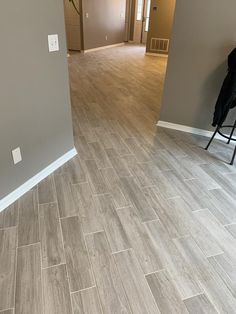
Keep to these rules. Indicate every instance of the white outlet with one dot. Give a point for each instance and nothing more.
(53, 43)
(86, 15)
(106, 37)
(16, 155)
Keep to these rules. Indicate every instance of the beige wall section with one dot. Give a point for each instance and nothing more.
(35, 103)
(73, 25)
(203, 35)
(161, 20)
(103, 18)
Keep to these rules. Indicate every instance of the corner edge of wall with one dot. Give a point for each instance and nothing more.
(29, 184)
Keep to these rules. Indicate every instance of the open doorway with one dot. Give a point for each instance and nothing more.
(141, 24)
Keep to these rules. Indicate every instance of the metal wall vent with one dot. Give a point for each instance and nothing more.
(159, 44)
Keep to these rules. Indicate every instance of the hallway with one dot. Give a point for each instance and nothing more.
(143, 220)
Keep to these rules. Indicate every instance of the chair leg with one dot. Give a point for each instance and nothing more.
(212, 138)
(232, 133)
(234, 154)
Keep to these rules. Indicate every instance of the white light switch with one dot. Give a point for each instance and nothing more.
(16, 155)
(53, 43)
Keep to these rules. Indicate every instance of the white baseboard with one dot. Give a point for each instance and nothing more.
(156, 54)
(104, 47)
(187, 129)
(28, 185)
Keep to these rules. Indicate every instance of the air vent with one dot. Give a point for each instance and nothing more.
(159, 45)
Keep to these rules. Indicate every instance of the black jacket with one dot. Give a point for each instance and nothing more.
(227, 97)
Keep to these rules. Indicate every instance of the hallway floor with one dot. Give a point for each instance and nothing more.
(143, 220)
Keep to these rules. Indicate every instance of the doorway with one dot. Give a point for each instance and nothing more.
(142, 18)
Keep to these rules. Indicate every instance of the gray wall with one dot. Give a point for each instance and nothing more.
(161, 20)
(105, 18)
(34, 104)
(204, 32)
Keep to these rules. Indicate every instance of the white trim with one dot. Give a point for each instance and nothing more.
(29, 184)
(187, 129)
(103, 47)
(156, 54)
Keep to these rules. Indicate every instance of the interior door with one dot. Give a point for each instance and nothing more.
(138, 25)
(73, 25)
(145, 20)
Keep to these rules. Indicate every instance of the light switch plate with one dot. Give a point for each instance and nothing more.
(53, 43)
(16, 155)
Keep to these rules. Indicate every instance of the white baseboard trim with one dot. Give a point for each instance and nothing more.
(28, 185)
(187, 129)
(156, 54)
(104, 47)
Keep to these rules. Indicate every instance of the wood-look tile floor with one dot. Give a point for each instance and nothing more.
(143, 220)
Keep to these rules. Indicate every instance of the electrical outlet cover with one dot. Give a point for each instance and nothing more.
(16, 155)
(53, 43)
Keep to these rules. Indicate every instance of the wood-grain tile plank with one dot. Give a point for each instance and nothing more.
(46, 191)
(144, 247)
(66, 198)
(200, 304)
(56, 297)
(78, 266)
(50, 235)
(88, 213)
(28, 226)
(139, 295)
(8, 243)
(28, 297)
(165, 293)
(111, 292)
(9, 216)
(86, 302)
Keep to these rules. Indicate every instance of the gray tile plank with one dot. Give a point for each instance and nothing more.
(83, 148)
(144, 247)
(223, 206)
(232, 229)
(97, 182)
(117, 163)
(28, 226)
(74, 170)
(56, 291)
(99, 155)
(10, 311)
(88, 213)
(46, 191)
(165, 293)
(222, 266)
(86, 302)
(223, 238)
(8, 243)
(182, 274)
(50, 235)
(139, 153)
(113, 182)
(200, 304)
(112, 225)
(78, 266)
(66, 198)
(119, 145)
(216, 290)
(9, 216)
(28, 298)
(136, 196)
(139, 295)
(183, 219)
(137, 171)
(111, 292)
